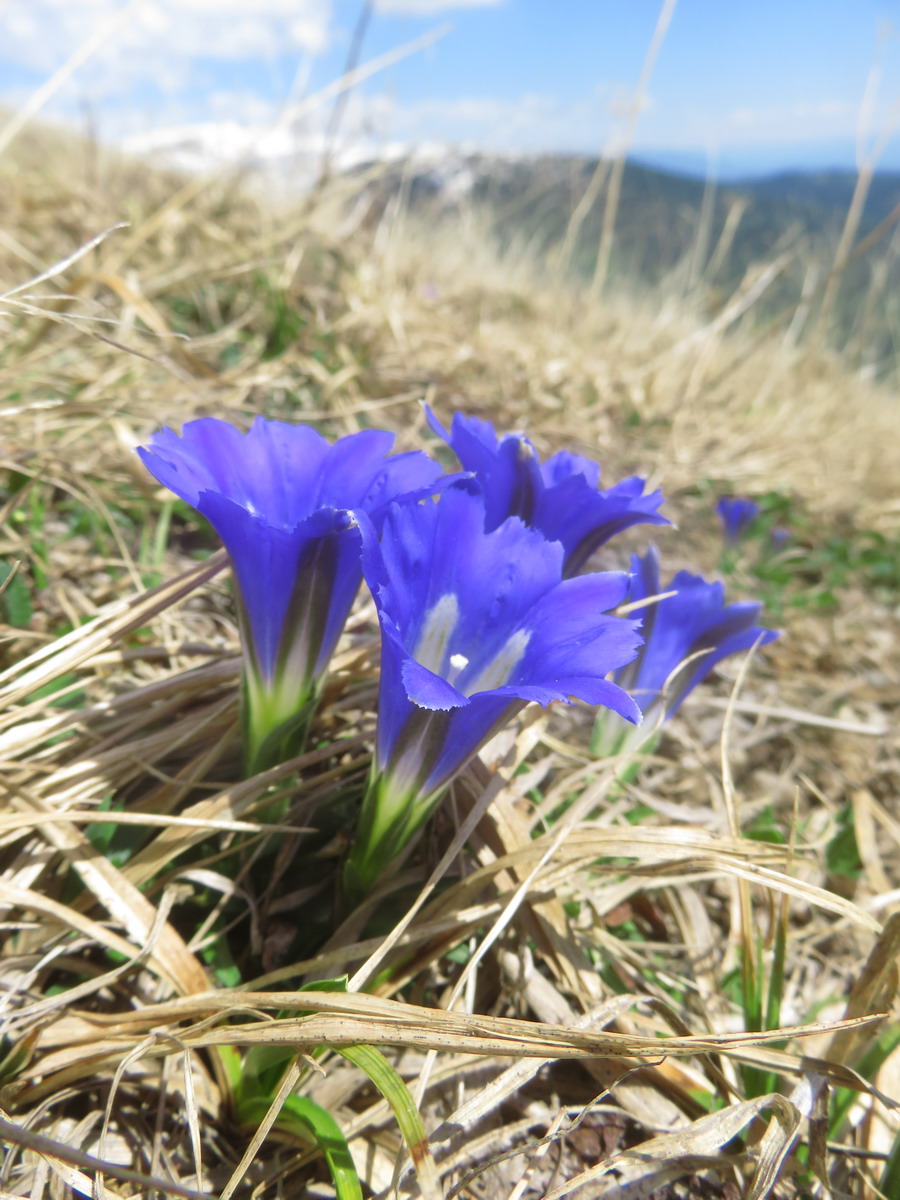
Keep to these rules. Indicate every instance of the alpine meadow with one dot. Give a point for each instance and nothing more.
(448, 683)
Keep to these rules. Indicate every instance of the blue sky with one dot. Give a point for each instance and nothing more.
(750, 86)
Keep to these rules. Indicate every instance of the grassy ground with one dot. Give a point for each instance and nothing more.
(612, 957)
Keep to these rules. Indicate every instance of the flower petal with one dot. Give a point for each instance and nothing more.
(737, 516)
(434, 550)
(584, 519)
(563, 465)
(559, 498)
(266, 471)
(508, 471)
(696, 620)
(267, 562)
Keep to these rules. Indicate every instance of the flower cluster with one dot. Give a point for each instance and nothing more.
(478, 584)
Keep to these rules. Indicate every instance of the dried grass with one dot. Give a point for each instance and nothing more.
(598, 949)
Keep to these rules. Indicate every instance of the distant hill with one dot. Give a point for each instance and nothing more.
(827, 191)
(676, 230)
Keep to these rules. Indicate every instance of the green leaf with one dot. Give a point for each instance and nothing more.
(310, 1123)
(325, 985)
(264, 1065)
(868, 1066)
(397, 1094)
(889, 1185)
(256, 1081)
(842, 852)
(15, 1056)
(15, 601)
(218, 957)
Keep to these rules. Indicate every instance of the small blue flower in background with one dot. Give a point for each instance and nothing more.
(474, 625)
(694, 627)
(278, 496)
(560, 497)
(737, 516)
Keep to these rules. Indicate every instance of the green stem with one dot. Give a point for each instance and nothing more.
(388, 821)
(276, 727)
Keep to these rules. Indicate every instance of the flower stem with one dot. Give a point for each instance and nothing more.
(274, 729)
(388, 821)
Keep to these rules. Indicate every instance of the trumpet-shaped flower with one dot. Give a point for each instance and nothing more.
(737, 515)
(278, 496)
(474, 626)
(560, 497)
(685, 635)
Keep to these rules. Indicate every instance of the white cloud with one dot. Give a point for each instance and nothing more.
(807, 112)
(529, 122)
(595, 123)
(160, 63)
(429, 8)
(806, 121)
(147, 35)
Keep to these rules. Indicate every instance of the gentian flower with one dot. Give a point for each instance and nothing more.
(685, 635)
(278, 496)
(560, 497)
(737, 516)
(474, 625)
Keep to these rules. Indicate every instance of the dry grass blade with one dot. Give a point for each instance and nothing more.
(611, 208)
(47, 1147)
(74, 649)
(285, 1088)
(356, 1017)
(660, 1160)
(365, 972)
(26, 821)
(63, 265)
(659, 850)
(875, 988)
(168, 955)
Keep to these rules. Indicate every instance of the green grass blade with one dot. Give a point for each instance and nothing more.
(397, 1094)
(308, 1121)
(889, 1184)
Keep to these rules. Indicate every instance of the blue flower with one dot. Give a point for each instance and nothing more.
(474, 626)
(560, 497)
(278, 496)
(737, 516)
(694, 627)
